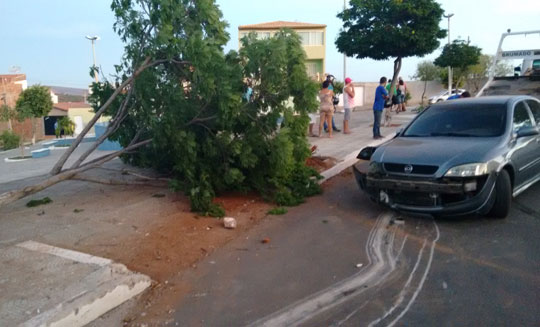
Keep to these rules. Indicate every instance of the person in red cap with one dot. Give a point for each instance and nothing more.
(348, 104)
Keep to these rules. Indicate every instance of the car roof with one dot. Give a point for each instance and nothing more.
(497, 99)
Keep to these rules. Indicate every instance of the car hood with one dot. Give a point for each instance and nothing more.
(445, 152)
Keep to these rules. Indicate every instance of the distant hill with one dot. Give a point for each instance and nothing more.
(68, 90)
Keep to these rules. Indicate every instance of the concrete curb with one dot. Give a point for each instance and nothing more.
(106, 287)
(350, 159)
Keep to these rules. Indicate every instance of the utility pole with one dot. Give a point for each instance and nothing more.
(449, 68)
(93, 39)
(344, 55)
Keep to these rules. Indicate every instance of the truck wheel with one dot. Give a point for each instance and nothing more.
(503, 196)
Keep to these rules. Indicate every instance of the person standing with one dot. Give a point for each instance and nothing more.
(348, 104)
(403, 89)
(378, 106)
(326, 108)
(330, 79)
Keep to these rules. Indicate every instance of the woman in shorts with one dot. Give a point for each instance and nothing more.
(326, 108)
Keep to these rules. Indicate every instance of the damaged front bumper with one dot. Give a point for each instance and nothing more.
(429, 196)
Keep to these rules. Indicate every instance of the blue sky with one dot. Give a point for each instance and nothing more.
(46, 38)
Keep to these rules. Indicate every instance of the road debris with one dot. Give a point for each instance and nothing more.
(229, 222)
(265, 240)
(359, 265)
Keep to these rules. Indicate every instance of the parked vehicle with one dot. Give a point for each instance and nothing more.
(457, 157)
(443, 96)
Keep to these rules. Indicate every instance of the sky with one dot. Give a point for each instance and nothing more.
(46, 39)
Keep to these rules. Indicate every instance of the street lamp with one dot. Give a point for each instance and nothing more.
(93, 39)
(449, 68)
(344, 55)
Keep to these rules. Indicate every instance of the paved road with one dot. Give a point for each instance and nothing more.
(339, 260)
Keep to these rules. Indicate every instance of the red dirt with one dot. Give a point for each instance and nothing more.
(320, 163)
(176, 243)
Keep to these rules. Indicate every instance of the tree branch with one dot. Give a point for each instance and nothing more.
(58, 166)
(113, 181)
(120, 116)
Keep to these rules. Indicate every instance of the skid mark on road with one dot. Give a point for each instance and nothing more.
(382, 259)
(410, 289)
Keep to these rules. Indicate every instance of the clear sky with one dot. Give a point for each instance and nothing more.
(46, 38)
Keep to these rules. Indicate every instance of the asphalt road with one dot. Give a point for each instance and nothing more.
(339, 260)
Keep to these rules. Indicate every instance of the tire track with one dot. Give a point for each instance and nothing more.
(382, 260)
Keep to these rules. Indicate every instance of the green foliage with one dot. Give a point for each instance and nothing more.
(65, 124)
(427, 71)
(408, 96)
(34, 102)
(191, 105)
(6, 113)
(35, 203)
(9, 140)
(338, 87)
(458, 54)
(381, 29)
(277, 211)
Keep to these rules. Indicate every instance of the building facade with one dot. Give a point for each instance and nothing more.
(11, 86)
(313, 38)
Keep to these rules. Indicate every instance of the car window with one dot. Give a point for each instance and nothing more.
(535, 109)
(521, 117)
(465, 120)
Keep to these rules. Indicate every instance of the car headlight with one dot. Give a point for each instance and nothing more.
(468, 170)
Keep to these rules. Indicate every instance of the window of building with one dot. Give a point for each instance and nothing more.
(312, 38)
(263, 35)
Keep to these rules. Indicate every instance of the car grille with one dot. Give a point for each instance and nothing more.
(416, 169)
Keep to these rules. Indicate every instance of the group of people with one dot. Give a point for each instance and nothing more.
(398, 97)
(382, 101)
(328, 104)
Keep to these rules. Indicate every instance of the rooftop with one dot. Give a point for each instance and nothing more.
(69, 105)
(280, 24)
(9, 78)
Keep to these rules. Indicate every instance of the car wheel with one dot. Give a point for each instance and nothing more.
(439, 100)
(503, 196)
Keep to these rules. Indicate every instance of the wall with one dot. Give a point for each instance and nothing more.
(11, 87)
(415, 88)
(87, 114)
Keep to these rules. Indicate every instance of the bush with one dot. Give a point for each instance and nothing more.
(277, 211)
(408, 96)
(9, 140)
(39, 202)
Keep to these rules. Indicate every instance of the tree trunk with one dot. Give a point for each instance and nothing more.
(397, 69)
(424, 93)
(33, 130)
(58, 166)
(9, 197)
(10, 127)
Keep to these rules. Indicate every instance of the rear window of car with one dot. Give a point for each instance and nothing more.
(467, 120)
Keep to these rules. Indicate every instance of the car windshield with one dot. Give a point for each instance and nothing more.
(470, 120)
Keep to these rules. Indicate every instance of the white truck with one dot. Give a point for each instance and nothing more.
(526, 79)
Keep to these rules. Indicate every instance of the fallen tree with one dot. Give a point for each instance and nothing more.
(177, 105)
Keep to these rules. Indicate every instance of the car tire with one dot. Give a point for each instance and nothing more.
(440, 100)
(503, 196)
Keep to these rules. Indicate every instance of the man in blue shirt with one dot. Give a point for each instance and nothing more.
(378, 106)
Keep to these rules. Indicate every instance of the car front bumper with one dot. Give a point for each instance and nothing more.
(436, 197)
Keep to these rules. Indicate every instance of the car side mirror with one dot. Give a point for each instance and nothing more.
(366, 153)
(527, 131)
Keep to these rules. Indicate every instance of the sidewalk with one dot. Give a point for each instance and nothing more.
(345, 147)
